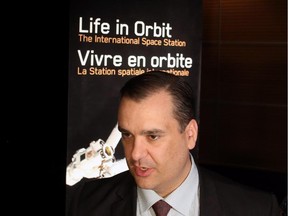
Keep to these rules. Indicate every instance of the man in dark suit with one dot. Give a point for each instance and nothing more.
(157, 121)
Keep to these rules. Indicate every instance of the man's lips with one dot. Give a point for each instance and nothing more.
(143, 171)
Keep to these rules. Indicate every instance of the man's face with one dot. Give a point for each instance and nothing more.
(156, 152)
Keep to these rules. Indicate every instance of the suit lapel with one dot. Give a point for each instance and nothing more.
(126, 201)
(124, 207)
(209, 201)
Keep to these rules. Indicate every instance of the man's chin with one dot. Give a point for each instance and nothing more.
(144, 184)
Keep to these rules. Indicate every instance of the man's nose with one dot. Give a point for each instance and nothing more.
(139, 149)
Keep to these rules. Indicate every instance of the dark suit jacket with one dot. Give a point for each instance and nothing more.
(219, 196)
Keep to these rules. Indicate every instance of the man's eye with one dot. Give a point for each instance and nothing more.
(153, 137)
(126, 135)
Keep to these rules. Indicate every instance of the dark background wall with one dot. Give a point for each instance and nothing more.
(243, 111)
(243, 127)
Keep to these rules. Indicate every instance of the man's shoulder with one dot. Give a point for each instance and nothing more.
(114, 181)
(98, 195)
(122, 182)
(227, 184)
(235, 196)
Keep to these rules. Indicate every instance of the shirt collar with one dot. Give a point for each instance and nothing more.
(178, 199)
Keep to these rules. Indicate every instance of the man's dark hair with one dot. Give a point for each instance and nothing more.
(143, 85)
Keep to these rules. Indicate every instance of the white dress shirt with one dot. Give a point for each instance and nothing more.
(184, 200)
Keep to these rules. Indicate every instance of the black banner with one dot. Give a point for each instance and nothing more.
(110, 41)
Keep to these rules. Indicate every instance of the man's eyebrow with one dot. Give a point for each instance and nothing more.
(144, 132)
(122, 130)
(153, 131)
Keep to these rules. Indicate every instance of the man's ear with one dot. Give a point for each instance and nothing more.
(192, 133)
